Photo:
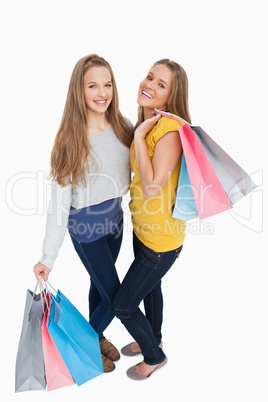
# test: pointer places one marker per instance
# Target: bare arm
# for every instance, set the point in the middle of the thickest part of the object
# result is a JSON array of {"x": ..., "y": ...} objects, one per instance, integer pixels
[{"x": 155, "y": 173}]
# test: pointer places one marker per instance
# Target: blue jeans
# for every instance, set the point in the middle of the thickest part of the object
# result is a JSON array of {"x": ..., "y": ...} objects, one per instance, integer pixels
[
  {"x": 99, "y": 259},
  {"x": 153, "y": 302},
  {"x": 144, "y": 277}
]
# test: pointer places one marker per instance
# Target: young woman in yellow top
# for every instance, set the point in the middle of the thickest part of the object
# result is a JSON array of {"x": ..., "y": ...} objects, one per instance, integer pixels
[{"x": 155, "y": 157}]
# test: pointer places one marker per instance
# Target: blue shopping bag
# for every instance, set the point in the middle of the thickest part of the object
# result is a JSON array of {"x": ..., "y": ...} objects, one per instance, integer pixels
[
  {"x": 76, "y": 340},
  {"x": 185, "y": 206}
]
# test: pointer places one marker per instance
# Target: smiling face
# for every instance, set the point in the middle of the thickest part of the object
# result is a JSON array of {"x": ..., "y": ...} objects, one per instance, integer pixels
[
  {"x": 98, "y": 89},
  {"x": 155, "y": 89}
]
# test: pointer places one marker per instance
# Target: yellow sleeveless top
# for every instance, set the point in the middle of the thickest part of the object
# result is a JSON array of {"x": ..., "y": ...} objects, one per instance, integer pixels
[{"x": 152, "y": 217}]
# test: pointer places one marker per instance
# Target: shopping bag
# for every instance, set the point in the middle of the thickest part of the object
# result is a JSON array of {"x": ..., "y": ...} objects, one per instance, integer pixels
[
  {"x": 217, "y": 181},
  {"x": 235, "y": 181},
  {"x": 57, "y": 373},
  {"x": 185, "y": 207},
  {"x": 211, "y": 197},
  {"x": 75, "y": 339},
  {"x": 29, "y": 371}
]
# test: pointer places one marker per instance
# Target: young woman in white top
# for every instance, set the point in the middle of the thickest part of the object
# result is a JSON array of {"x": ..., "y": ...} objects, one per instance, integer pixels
[{"x": 90, "y": 171}]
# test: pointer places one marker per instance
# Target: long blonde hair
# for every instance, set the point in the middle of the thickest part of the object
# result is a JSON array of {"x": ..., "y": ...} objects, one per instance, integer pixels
[
  {"x": 69, "y": 157},
  {"x": 178, "y": 100}
]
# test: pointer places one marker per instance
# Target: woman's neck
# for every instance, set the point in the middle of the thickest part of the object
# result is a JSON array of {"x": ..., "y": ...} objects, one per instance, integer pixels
[
  {"x": 148, "y": 113},
  {"x": 97, "y": 123}
]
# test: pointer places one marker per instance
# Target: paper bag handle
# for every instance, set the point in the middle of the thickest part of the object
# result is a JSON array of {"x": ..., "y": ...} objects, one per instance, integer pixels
[{"x": 172, "y": 116}]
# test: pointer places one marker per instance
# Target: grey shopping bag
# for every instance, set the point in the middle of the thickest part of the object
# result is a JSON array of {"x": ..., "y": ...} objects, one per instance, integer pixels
[
  {"x": 30, "y": 372},
  {"x": 235, "y": 181}
]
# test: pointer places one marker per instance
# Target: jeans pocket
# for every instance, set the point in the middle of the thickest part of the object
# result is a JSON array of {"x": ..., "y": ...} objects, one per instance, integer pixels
[
  {"x": 178, "y": 251},
  {"x": 176, "y": 254},
  {"x": 149, "y": 254}
]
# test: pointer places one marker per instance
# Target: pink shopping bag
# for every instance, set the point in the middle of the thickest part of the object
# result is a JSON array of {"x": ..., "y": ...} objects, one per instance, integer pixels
[
  {"x": 57, "y": 373},
  {"x": 210, "y": 197}
]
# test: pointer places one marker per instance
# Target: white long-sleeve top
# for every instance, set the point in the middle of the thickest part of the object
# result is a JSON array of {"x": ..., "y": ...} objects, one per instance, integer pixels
[{"x": 108, "y": 178}]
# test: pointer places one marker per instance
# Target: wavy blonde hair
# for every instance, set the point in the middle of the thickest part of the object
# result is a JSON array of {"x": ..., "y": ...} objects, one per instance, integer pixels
[
  {"x": 69, "y": 157},
  {"x": 178, "y": 100}
]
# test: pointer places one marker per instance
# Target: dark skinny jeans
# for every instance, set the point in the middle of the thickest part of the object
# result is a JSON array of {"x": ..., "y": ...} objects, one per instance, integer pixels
[
  {"x": 99, "y": 259},
  {"x": 143, "y": 281}
]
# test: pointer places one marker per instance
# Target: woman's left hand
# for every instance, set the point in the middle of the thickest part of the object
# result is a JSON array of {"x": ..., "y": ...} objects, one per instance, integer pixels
[{"x": 146, "y": 126}]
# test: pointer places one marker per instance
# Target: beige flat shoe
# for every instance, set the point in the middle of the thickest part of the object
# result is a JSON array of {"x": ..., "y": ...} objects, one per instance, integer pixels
[
  {"x": 126, "y": 350},
  {"x": 132, "y": 372}
]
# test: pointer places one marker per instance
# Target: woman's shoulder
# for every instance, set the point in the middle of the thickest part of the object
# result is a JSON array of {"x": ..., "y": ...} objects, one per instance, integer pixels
[
  {"x": 167, "y": 123},
  {"x": 163, "y": 126},
  {"x": 130, "y": 125}
]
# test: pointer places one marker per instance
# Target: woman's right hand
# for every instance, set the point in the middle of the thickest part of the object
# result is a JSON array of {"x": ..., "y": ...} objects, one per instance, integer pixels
[
  {"x": 41, "y": 270},
  {"x": 146, "y": 126}
]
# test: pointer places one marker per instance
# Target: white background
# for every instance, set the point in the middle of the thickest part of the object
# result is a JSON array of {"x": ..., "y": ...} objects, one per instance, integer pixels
[{"x": 215, "y": 329}]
